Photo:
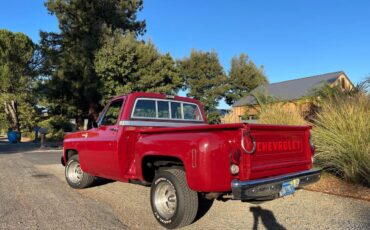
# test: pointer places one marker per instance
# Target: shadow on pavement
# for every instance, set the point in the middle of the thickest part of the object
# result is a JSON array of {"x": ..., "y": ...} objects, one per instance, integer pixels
[
  {"x": 204, "y": 206},
  {"x": 101, "y": 181},
  {"x": 267, "y": 218},
  {"x": 9, "y": 148}
]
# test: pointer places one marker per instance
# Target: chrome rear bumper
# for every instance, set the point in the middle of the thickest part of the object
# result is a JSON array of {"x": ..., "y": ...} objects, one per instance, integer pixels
[{"x": 271, "y": 186}]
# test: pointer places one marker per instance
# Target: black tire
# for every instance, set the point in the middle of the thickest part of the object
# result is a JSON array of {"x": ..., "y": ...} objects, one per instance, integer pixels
[
  {"x": 186, "y": 200},
  {"x": 76, "y": 179}
]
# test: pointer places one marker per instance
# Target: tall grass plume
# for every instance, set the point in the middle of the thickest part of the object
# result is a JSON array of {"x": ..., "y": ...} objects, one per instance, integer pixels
[
  {"x": 342, "y": 137},
  {"x": 280, "y": 114}
]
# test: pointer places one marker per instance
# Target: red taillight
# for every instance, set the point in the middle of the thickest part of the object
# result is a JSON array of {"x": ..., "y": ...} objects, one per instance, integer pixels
[{"x": 235, "y": 156}]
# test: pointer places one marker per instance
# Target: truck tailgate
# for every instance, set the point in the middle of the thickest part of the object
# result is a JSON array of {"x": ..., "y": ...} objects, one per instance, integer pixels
[{"x": 278, "y": 150}]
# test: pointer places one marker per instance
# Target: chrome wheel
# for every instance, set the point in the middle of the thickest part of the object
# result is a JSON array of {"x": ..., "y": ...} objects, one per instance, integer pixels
[
  {"x": 174, "y": 204},
  {"x": 165, "y": 199},
  {"x": 74, "y": 172}
]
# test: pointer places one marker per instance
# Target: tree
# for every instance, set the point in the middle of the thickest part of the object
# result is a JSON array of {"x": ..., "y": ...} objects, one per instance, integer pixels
[
  {"x": 244, "y": 76},
  {"x": 3, "y": 121},
  {"x": 17, "y": 75},
  {"x": 73, "y": 85},
  {"x": 126, "y": 65},
  {"x": 205, "y": 80}
]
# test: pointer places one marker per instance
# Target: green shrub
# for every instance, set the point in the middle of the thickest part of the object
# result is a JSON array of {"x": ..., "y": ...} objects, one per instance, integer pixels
[
  {"x": 342, "y": 137},
  {"x": 28, "y": 134},
  {"x": 279, "y": 114},
  {"x": 56, "y": 126}
]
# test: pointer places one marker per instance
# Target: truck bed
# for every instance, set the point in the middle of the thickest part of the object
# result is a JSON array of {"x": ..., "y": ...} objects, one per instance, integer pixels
[{"x": 280, "y": 149}]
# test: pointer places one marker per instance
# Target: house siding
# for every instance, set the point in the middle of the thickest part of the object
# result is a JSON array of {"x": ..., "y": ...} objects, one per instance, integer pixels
[{"x": 304, "y": 106}]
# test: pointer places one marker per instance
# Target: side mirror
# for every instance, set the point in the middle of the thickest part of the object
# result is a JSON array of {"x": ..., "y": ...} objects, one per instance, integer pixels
[{"x": 94, "y": 124}]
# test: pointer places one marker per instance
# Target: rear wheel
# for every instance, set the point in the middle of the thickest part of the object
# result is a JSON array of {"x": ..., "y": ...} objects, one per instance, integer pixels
[
  {"x": 174, "y": 204},
  {"x": 75, "y": 177}
]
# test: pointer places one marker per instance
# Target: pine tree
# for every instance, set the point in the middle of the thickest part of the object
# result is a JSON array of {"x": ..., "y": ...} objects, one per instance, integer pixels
[
  {"x": 17, "y": 79},
  {"x": 73, "y": 86},
  {"x": 205, "y": 80},
  {"x": 244, "y": 76},
  {"x": 126, "y": 65}
]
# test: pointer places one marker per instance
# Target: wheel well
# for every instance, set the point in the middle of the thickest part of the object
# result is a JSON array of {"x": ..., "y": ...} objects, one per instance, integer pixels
[
  {"x": 150, "y": 164},
  {"x": 70, "y": 153}
]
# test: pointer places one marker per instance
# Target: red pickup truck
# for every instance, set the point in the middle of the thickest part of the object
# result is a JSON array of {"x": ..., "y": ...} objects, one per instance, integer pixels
[{"x": 165, "y": 142}]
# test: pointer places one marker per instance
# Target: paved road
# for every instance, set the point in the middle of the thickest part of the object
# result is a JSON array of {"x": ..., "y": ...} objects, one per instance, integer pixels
[{"x": 34, "y": 195}]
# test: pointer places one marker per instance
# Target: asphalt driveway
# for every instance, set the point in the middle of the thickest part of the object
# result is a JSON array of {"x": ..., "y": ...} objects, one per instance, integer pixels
[{"x": 34, "y": 195}]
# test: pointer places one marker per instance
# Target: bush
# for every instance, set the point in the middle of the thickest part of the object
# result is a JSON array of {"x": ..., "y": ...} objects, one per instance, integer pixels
[
  {"x": 342, "y": 137},
  {"x": 280, "y": 114},
  {"x": 56, "y": 126},
  {"x": 28, "y": 134}
]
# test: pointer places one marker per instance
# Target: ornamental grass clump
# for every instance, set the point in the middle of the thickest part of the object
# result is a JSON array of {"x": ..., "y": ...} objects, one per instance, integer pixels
[
  {"x": 342, "y": 137},
  {"x": 280, "y": 114}
]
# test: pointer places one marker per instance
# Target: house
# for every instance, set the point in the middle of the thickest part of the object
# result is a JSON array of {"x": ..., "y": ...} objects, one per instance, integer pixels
[{"x": 288, "y": 93}]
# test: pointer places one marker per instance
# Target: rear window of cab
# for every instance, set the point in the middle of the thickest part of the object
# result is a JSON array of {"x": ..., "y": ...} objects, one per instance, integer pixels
[{"x": 166, "y": 110}]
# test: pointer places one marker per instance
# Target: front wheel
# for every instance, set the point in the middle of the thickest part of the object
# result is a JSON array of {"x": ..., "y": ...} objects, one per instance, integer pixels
[
  {"x": 173, "y": 203},
  {"x": 75, "y": 177}
]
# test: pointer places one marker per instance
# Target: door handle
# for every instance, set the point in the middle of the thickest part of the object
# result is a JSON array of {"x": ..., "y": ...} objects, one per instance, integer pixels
[
  {"x": 113, "y": 129},
  {"x": 85, "y": 135}
]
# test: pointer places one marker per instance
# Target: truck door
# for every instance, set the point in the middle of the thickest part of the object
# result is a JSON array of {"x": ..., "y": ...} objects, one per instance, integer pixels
[{"x": 101, "y": 143}]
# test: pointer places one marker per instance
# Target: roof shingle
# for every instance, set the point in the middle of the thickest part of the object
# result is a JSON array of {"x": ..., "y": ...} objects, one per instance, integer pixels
[{"x": 290, "y": 90}]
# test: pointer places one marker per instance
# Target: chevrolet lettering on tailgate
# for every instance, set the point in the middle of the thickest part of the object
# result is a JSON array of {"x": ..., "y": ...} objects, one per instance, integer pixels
[{"x": 274, "y": 146}]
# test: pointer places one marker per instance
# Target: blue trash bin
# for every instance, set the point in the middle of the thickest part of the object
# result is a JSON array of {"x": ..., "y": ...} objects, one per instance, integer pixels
[{"x": 12, "y": 137}]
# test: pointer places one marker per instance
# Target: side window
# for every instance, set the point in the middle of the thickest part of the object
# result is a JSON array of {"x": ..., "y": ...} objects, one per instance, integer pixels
[
  {"x": 112, "y": 113},
  {"x": 191, "y": 112},
  {"x": 145, "y": 109},
  {"x": 176, "y": 110},
  {"x": 163, "y": 109}
]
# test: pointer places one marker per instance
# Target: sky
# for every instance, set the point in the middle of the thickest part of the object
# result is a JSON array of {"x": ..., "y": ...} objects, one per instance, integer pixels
[{"x": 291, "y": 38}]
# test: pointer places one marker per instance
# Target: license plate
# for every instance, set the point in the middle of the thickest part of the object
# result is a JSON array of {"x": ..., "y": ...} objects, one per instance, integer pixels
[{"x": 288, "y": 187}]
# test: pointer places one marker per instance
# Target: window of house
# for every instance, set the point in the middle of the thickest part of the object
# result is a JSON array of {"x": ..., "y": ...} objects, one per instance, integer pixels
[
  {"x": 343, "y": 83},
  {"x": 252, "y": 117}
]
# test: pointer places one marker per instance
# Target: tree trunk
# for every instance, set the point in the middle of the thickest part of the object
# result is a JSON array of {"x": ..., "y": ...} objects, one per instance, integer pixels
[
  {"x": 11, "y": 110},
  {"x": 93, "y": 114},
  {"x": 90, "y": 112},
  {"x": 79, "y": 119},
  {"x": 93, "y": 111}
]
